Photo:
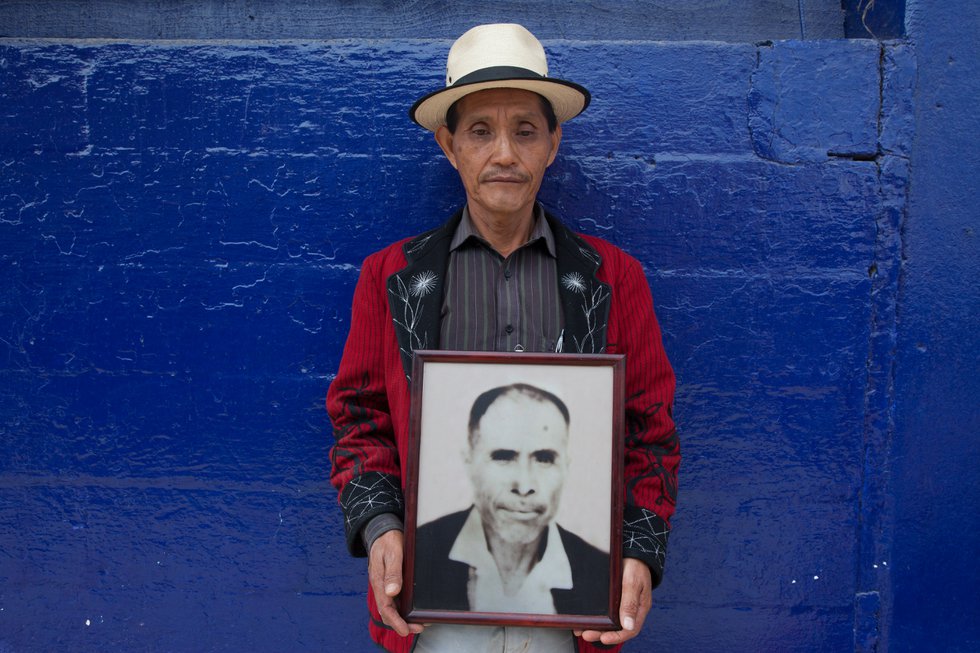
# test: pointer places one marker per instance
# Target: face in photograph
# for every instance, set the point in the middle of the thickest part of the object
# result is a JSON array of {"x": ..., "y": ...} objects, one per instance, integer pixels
[{"x": 518, "y": 461}]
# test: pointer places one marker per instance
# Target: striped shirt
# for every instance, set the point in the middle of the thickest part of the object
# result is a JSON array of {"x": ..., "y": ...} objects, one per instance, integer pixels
[
  {"x": 492, "y": 303},
  {"x": 484, "y": 295}
]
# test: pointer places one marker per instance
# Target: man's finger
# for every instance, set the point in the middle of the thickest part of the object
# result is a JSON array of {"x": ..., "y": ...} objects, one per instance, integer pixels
[
  {"x": 393, "y": 574},
  {"x": 631, "y": 605}
]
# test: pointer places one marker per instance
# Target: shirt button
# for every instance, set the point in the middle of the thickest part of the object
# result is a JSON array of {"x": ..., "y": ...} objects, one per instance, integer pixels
[
  {"x": 506, "y": 274},
  {"x": 509, "y": 329}
]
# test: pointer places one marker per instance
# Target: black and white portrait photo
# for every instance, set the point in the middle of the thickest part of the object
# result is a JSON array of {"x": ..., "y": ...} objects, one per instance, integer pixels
[{"x": 514, "y": 489}]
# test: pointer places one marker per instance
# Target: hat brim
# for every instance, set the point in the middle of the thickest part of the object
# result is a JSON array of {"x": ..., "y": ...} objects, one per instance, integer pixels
[{"x": 568, "y": 99}]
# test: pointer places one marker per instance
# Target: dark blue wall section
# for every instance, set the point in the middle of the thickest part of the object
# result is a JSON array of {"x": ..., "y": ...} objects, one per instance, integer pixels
[
  {"x": 717, "y": 20},
  {"x": 937, "y": 385},
  {"x": 880, "y": 19},
  {"x": 182, "y": 225}
]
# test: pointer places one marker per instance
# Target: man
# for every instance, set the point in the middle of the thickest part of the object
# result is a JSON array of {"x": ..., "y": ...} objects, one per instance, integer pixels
[
  {"x": 501, "y": 274},
  {"x": 506, "y": 553}
]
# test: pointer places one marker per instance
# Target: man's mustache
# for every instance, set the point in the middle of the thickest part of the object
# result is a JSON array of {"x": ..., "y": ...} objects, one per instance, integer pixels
[{"x": 504, "y": 174}]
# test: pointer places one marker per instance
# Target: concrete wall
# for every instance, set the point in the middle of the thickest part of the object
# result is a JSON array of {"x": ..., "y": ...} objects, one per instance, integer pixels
[
  {"x": 182, "y": 223},
  {"x": 936, "y": 382},
  {"x": 719, "y": 20}
]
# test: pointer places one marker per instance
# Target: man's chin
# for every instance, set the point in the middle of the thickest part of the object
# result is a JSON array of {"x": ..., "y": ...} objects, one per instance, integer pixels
[
  {"x": 505, "y": 198},
  {"x": 520, "y": 531}
]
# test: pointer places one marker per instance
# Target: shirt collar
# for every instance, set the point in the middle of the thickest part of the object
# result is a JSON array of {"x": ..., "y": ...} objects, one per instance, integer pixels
[
  {"x": 541, "y": 230},
  {"x": 470, "y": 548}
]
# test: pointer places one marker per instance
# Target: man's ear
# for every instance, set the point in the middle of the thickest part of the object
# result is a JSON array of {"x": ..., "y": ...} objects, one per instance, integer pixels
[
  {"x": 555, "y": 141},
  {"x": 445, "y": 139}
]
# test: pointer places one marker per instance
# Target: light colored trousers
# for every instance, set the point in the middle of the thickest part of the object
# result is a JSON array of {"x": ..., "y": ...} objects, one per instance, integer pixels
[{"x": 453, "y": 638}]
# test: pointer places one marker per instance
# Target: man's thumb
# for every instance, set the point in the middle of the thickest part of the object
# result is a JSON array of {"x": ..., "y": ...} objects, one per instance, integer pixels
[{"x": 393, "y": 580}]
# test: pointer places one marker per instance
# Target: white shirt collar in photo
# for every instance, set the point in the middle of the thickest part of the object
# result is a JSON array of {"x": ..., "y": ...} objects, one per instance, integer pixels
[{"x": 486, "y": 589}]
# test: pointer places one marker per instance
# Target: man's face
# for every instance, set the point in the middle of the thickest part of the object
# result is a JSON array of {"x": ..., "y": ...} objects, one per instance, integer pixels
[
  {"x": 501, "y": 149},
  {"x": 518, "y": 465}
]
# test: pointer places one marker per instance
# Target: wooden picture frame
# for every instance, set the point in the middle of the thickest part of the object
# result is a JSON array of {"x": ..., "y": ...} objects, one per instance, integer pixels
[{"x": 469, "y": 481}]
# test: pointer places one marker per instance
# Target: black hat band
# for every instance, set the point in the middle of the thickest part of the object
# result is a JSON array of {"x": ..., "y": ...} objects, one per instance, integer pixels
[{"x": 494, "y": 73}]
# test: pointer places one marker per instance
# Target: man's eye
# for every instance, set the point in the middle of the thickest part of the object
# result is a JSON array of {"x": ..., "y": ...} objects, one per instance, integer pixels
[
  {"x": 503, "y": 455},
  {"x": 545, "y": 457},
  {"x": 525, "y": 133},
  {"x": 479, "y": 131}
]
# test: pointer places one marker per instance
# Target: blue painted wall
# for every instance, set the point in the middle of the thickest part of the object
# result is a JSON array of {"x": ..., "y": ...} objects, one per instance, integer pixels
[
  {"x": 181, "y": 227},
  {"x": 936, "y": 381}
]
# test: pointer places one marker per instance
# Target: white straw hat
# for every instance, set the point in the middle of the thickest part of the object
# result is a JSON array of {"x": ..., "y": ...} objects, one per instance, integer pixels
[{"x": 498, "y": 56}]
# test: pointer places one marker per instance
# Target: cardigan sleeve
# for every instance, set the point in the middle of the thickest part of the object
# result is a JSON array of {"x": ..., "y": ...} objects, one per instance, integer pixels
[
  {"x": 652, "y": 449},
  {"x": 364, "y": 459}
]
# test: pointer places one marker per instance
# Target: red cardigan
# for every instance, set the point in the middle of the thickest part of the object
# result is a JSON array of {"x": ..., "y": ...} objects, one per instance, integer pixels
[{"x": 607, "y": 309}]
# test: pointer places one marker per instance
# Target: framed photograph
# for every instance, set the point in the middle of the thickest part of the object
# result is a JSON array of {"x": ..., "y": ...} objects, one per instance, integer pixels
[{"x": 514, "y": 490}]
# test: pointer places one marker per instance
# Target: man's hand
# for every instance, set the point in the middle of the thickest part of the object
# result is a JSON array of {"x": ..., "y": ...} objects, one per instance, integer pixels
[
  {"x": 385, "y": 576},
  {"x": 633, "y": 607}
]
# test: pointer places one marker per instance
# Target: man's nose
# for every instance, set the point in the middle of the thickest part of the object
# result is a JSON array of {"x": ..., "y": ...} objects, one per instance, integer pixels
[
  {"x": 503, "y": 149},
  {"x": 523, "y": 480}
]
